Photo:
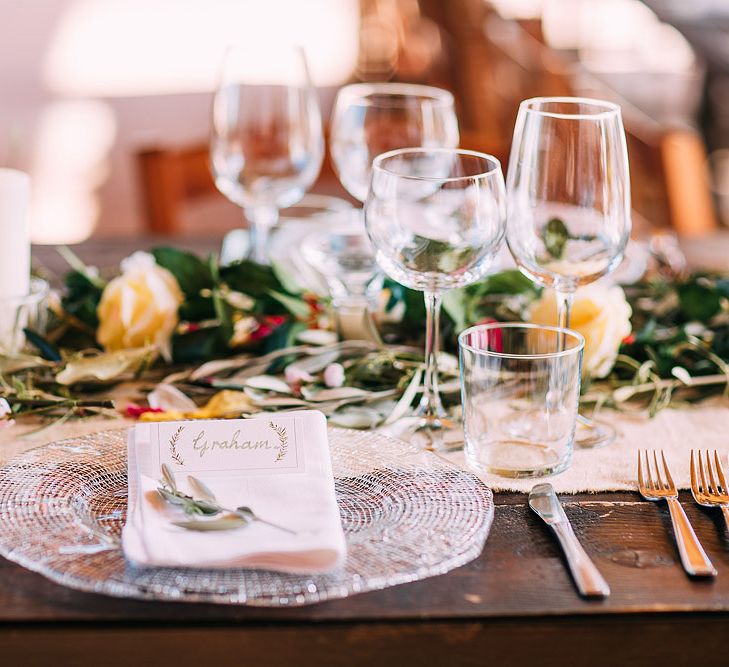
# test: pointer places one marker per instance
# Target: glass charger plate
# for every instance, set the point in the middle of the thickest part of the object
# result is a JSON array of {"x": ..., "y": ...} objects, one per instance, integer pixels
[{"x": 406, "y": 516}]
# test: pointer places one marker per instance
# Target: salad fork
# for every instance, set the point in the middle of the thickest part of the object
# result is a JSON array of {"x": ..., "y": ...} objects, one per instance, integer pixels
[
  {"x": 693, "y": 557},
  {"x": 709, "y": 487}
]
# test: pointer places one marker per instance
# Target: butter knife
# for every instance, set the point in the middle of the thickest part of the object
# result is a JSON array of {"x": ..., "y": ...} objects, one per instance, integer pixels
[{"x": 543, "y": 500}]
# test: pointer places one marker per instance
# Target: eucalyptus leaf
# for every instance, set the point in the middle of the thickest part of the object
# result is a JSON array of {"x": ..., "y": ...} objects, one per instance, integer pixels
[
  {"x": 316, "y": 362},
  {"x": 217, "y": 366},
  {"x": 356, "y": 417},
  {"x": 334, "y": 394},
  {"x": 268, "y": 383},
  {"x": 403, "y": 405},
  {"x": 317, "y": 336},
  {"x": 171, "y": 497},
  {"x": 281, "y": 402}
]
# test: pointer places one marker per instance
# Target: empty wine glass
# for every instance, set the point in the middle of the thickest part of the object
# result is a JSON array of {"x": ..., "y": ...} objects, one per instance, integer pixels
[
  {"x": 266, "y": 143},
  {"x": 569, "y": 201},
  {"x": 436, "y": 218},
  {"x": 343, "y": 255},
  {"x": 372, "y": 118}
]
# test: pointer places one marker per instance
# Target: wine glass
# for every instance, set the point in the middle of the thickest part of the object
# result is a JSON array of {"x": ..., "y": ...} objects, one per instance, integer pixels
[
  {"x": 436, "y": 218},
  {"x": 372, "y": 118},
  {"x": 369, "y": 119},
  {"x": 569, "y": 201},
  {"x": 266, "y": 145}
]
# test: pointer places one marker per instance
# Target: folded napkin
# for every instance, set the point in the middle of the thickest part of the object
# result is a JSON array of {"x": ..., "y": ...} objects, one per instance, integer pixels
[{"x": 277, "y": 465}]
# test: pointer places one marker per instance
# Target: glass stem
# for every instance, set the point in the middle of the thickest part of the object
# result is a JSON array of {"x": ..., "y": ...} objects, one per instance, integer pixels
[
  {"x": 430, "y": 405},
  {"x": 261, "y": 219},
  {"x": 564, "y": 312}
]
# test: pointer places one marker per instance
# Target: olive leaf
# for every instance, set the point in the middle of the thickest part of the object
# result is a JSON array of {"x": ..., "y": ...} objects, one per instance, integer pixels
[
  {"x": 228, "y": 522},
  {"x": 403, "y": 405},
  {"x": 169, "y": 477},
  {"x": 201, "y": 489},
  {"x": 555, "y": 236},
  {"x": 171, "y": 497}
]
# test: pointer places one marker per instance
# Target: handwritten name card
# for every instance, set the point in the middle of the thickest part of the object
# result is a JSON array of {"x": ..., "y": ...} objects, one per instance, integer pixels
[{"x": 267, "y": 445}]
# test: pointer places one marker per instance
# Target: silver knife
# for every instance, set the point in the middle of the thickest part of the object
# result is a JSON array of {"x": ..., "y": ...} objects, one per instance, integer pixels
[{"x": 543, "y": 500}]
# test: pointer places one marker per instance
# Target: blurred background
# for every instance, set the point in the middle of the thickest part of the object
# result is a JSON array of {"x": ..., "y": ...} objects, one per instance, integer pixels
[{"x": 106, "y": 102}]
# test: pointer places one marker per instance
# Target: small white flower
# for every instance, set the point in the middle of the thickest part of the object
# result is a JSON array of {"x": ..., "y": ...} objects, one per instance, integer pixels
[
  {"x": 294, "y": 375},
  {"x": 334, "y": 375},
  {"x": 695, "y": 329},
  {"x": 5, "y": 408}
]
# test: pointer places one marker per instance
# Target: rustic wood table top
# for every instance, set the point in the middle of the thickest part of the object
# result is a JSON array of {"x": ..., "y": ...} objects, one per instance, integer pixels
[{"x": 513, "y": 605}]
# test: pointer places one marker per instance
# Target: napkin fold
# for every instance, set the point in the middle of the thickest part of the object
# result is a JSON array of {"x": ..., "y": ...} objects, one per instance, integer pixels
[{"x": 278, "y": 465}]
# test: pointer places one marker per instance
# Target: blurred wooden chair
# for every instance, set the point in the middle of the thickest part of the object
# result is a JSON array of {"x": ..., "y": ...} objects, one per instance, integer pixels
[
  {"x": 497, "y": 63},
  {"x": 172, "y": 178}
]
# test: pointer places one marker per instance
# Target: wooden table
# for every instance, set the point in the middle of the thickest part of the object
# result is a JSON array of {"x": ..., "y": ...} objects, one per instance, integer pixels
[{"x": 514, "y": 605}]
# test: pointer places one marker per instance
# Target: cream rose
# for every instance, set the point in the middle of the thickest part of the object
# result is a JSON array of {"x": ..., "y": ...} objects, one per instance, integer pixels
[
  {"x": 139, "y": 307},
  {"x": 601, "y": 314}
]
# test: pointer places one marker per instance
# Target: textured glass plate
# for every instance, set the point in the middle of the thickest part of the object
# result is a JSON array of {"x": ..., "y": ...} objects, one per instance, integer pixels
[{"x": 406, "y": 516}]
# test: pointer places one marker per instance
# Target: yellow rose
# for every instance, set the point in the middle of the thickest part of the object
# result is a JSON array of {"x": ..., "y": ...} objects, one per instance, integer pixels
[
  {"x": 601, "y": 314},
  {"x": 139, "y": 307}
]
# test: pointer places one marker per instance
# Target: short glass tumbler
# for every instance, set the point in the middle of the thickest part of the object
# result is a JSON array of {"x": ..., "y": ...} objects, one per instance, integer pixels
[{"x": 520, "y": 387}]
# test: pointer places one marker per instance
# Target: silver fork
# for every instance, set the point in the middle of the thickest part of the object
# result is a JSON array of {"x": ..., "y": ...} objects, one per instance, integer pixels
[
  {"x": 693, "y": 557},
  {"x": 710, "y": 489}
]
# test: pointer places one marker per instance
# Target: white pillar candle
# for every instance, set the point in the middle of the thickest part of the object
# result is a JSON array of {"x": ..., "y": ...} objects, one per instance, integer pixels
[{"x": 14, "y": 234}]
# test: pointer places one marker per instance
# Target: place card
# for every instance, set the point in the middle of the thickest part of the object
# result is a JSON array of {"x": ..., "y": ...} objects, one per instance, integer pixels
[{"x": 257, "y": 446}]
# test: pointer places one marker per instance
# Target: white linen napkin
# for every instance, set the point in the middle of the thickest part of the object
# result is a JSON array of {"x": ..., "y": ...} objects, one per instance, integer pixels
[{"x": 278, "y": 465}]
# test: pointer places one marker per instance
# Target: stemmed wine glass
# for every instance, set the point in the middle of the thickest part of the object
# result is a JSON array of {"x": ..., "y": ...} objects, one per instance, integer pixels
[
  {"x": 569, "y": 201},
  {"x": 266, "y": 144},
  {"x": 436, "y": 218},
  {"x": 369, "y": 119},
  {"x": 372, "y": 118}
]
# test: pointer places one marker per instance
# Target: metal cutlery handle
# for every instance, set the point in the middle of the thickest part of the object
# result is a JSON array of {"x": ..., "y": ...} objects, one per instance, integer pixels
[
  {"x": 693, "y": 557},
  {"x": 589, "y": 581}
]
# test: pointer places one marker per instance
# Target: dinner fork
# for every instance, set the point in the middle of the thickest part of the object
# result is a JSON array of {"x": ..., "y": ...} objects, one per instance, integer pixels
[
  {"x": 715, "y": 492},
  {"x": 693, "y": 557}
]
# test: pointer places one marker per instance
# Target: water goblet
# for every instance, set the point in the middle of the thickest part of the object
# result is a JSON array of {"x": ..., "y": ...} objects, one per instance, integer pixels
[
  {"x": 436, "y": 218},
  {"x": 568, "y": 191},
  {"x": 372, "y": 118},
  {"x": 369, "y": 119},
  {"x": 266, "y": 144}
]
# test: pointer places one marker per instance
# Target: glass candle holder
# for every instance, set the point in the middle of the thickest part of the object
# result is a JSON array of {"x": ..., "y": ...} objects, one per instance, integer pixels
[
  {"x": 23, "y": 312},
  {"x": 520, "y": 388}
]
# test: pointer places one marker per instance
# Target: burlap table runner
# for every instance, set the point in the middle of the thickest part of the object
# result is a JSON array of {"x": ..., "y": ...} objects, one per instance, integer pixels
[{"x": 611, "y": 468}]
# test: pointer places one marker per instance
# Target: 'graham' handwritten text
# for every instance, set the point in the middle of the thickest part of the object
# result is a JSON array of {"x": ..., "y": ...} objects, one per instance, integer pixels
[{"x": 202, "y": 445}]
